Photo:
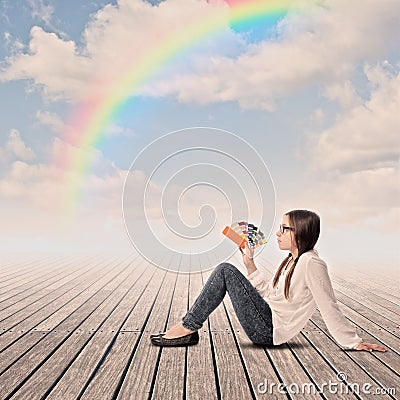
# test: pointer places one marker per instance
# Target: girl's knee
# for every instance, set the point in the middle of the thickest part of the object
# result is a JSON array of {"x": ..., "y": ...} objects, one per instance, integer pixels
[{"x": 226, "y": 265}]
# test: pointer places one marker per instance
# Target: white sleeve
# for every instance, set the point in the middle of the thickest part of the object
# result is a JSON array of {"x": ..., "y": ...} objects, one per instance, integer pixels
[
  {"x": 318, "y": 281},
  {"x": 259, "y": 281}
]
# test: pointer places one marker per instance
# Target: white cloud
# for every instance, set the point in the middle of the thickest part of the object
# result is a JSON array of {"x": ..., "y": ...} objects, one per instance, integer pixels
[
  {"x": 48, "y": 187},
  {"x": 4, "y": 11},
  {"x": 51, "y": 206},
  {"x": 14, "y": 46},
  {"x": 118, "y": 40},
  {"x": 118, "y": 130},
  {"x": 51, "y": 120},
  {"x": 321, "y": 45},
  {"x": 52, "y": 64},
  {"x": 59, "y": 127},
  {"x": 15, "y": 148},
  {"x": 357, "y": 198},
  {"x": 57, "y": 186},
  {"x": 366, "y": 135},
  {"x": 344, "y": 93},
  {"x": 65, "y": 154},
  {"x": 7, "y": 37},
  {"x": 354, "y": 165},
  {"x": 42, "y": 10},
  {"x": 318, "y": 47}
]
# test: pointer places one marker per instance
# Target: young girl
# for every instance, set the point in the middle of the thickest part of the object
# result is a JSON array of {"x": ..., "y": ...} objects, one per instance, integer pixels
[{"x": 271, "y": 313}]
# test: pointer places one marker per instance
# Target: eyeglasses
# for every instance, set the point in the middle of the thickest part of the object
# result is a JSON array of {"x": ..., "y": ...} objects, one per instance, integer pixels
[{"x": 283, "y": 228}]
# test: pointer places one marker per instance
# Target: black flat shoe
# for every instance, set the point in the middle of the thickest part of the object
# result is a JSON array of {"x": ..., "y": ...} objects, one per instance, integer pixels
[{"x": 187, "y": 340}]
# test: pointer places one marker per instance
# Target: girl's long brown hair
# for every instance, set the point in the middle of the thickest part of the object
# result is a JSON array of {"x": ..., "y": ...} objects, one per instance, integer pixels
[{"x": 306, "y": 226}]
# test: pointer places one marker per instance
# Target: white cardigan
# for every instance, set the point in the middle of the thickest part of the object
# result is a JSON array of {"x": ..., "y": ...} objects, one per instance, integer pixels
[{"x": 310, "y": 288}]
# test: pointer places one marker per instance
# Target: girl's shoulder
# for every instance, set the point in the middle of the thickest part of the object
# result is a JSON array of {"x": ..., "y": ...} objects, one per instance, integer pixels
[
  {"x": 311, "y": 257},
  {"x": 313, "y": 253}
]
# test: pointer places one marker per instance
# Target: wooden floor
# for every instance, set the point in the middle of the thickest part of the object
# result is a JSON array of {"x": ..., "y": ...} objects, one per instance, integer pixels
[{"x": 78, "y": 328}]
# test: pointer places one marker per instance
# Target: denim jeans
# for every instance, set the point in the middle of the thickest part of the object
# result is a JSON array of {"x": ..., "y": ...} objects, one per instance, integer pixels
[{"x": 252, "y": 310}]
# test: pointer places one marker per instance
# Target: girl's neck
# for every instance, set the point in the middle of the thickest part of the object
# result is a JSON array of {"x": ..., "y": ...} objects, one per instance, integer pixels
[{"x": 294, "y": 253}]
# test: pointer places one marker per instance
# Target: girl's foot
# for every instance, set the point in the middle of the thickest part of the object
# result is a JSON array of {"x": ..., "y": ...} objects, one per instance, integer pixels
[{"x": 177, "y": 331}]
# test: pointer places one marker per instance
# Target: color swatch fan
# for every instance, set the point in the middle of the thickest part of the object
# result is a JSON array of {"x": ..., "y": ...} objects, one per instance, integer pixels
[{"x": 241, "y": 232}]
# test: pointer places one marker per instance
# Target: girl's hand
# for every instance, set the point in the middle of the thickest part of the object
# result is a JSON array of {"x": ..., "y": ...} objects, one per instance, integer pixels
[
  {"x": 370, "y": 347},
  {"x": 247, "y": 256}
]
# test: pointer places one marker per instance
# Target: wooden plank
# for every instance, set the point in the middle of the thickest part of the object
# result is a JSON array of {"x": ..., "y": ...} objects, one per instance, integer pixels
[
  {"x": 84, "y": 367},
  {"x": 9, "y": 294},
  {"x": 360, "y": 293},
  {"x": 369, "y": 313},
  {"x": 322, "y": 375},
  {"x": 136, "y": 319},
  {"x": 342, "y": 361},
  {"x": 76, "y": 297},
  {"x": 375, "y": 333},
  {"x": 227, "y": 356},
  {"x": 171, "y": 374},
  {"x": 16, "y": 302},
  {"x": 109, "y": 355},
  {"x": 20, "y": 281},
  {"x": 376, "y": 364},
  {"x": 100, "y": 321},
  {"x": 20, "y": 346},
  {"x": 138, "y": 376},
  {"x": 53, "y": 301},
  {"x": 15, "y": 376},
  {"x": 370, "y": 285},
  {"x": 20, "y": 259},
  {"x": 15, "y": 267},
  {"x": 21, "y": 290},
  {"x": 133, "y": 348},
  {"x": 389, "y": 282},
  {"x": 38, "y": 380},
  {"x": 200, "y": 378},
  {"x": 290, "y": 371},
  {"x": 259, "y": 368},
  {"x": 53, "y": 320},
  {"x": 36, "y": 274},
  {"x": 9, "y": 356},
  {"x": 112, "y": 368},
  {"x": 18, "y": 306}
]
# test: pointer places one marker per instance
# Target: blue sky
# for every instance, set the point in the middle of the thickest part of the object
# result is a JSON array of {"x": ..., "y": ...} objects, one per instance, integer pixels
[{"x": 317, "y": 94}]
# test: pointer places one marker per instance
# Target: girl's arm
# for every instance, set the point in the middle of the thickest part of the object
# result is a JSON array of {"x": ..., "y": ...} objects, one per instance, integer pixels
[
  {"x": 318, "y": 281},
  {"x": 248, "y": 259},
  {"x": 256, "y": 278}
]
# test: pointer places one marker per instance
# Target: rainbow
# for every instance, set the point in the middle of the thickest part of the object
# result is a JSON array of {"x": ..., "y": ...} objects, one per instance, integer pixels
[{"x": 92, "y": 117}]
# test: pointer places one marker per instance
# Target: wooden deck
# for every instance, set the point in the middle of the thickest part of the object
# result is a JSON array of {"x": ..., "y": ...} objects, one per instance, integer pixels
[{"x": 78, "y": 328}]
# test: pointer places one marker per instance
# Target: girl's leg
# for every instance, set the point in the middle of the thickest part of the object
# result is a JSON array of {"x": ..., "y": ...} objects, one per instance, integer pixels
[{"x": 251, "y": 309}]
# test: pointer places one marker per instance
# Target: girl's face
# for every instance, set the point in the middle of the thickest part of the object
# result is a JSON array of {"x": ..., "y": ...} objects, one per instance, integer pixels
[{"x": 286, "y": 239}]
